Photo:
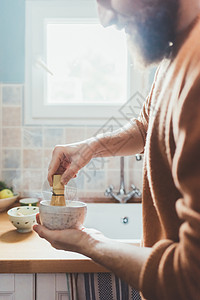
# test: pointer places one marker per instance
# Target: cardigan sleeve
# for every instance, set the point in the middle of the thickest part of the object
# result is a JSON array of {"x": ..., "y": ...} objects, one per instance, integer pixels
[
  {"x": 173, "y": 269},
  {"x": 143, "y": 119}
]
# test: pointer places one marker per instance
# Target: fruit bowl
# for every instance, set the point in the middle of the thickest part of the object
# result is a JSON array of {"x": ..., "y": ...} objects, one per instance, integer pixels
[{"x": 7, "y": 202}]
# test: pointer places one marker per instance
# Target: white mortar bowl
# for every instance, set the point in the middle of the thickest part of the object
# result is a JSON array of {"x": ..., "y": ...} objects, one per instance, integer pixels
[
  {"x": 62, "y": 217},
  {"x": 23, "y": 217}
]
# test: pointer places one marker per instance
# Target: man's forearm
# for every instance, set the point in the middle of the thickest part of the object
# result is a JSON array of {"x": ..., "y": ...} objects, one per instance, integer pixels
[
  {"x": 122, "y": 142},
  {"x": 124, "y": 260}
]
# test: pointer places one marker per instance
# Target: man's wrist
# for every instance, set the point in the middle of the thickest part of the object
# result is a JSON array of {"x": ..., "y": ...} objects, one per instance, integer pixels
[
  {"x": 93, "y": 144},
  {"x": 92, "y": 243}
]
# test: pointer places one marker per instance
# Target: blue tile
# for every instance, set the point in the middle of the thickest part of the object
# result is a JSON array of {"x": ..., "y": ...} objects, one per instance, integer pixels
[
  {"x": 53, "y": 137},
  {"x": 32, "y": 137},
  {"x": 11, "y": 159},
  {"x": 12, "y": 95},
  {"x": 94, "y": 180}
]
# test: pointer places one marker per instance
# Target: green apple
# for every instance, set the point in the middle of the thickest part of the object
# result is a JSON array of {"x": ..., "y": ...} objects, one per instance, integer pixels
[{"x": 6, "y": 193}]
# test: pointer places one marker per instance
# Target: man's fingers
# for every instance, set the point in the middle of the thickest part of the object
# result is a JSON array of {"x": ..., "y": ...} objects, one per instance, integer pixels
[
  {"x": 38, "y": 218},
  {"x": 54, "y": 164},
  {"x": 43, "y": 232},
  {"x": 68, "y": 174},
  {"x": 53, "y": 167}
]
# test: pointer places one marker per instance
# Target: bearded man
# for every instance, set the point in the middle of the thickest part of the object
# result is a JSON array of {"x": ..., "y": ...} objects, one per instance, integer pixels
[{"x": 167, "y": 267}]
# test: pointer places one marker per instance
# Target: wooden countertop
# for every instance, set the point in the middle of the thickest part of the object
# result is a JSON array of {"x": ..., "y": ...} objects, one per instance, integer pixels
[
  {"x": 108, "y": 200},
  {"x": 28, "y": 253}
]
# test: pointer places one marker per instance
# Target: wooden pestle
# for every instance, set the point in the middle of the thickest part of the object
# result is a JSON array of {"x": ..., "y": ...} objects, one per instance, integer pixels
[{"x": 58, "y": 198}]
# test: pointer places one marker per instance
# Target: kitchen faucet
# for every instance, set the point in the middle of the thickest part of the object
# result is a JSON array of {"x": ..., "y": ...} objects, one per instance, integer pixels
[{"x": 122, "y": 196}]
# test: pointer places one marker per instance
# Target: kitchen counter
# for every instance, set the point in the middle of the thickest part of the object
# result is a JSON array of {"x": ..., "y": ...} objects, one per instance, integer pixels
[{"x": 28, "y": 253}]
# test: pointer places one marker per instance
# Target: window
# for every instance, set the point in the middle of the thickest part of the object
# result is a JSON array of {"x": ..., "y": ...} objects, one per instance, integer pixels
[
  {"x": 75, "y": 69},
  {"x": 85, "y": 66}
]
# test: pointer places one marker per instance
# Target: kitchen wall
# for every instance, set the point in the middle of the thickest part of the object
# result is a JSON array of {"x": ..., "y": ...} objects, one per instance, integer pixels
[
  {"x": 12, "y": 50},
  {"x": 25, "y": 151}
]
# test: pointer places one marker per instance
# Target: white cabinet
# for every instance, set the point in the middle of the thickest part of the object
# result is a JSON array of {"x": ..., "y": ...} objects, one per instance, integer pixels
[
  {"x": 33, "y": 286},
  {"x": 52, "y": 286},
  {"x": 17, "y": 287}
]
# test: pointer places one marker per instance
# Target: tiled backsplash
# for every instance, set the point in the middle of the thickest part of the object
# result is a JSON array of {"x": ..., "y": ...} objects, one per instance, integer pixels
[{"x": 25, "y": 152}]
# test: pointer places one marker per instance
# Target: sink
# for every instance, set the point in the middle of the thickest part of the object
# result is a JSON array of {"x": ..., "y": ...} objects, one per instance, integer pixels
[{"x": 116, "y": 220}]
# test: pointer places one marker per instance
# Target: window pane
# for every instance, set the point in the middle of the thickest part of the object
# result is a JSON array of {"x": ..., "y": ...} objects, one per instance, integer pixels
[{"x": 88, "y": 62}]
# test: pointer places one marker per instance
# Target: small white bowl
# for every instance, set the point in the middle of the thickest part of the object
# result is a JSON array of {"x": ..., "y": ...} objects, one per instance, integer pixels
[
  {"x": 28, "y": 201},
  {"x": 23, "y": 217},
  {"x": 7, "y": 202},
  {"x": 62, "y": 217}
]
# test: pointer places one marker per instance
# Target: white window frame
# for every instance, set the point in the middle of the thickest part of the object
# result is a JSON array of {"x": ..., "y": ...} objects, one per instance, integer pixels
[{"x": 36, "y": 111}]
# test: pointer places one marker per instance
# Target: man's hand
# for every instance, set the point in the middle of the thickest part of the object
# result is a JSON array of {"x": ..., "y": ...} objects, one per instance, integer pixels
[
  {"x": 124, "y": 260},
  {"x": 68, "y": 160},
  {"x": 80, "y": 241}
]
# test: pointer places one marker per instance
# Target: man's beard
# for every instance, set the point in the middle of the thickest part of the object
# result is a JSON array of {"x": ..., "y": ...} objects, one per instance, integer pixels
[{"x": 154, "y": 36}]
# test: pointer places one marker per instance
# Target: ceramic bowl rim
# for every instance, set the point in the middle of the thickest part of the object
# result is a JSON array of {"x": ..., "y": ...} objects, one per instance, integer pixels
[
  {"x": 30, "y": 200},
  {"x": 62, "y": 208},
  {"x": 23, "y": 207}
]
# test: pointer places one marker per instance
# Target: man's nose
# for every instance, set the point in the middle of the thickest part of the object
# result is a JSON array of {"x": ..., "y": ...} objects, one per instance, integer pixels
[{"x": 107, "y": 17}]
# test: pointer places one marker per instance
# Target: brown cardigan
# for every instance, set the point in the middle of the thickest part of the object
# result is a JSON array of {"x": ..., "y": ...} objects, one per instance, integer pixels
[{"x": 170, "y": 126}]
